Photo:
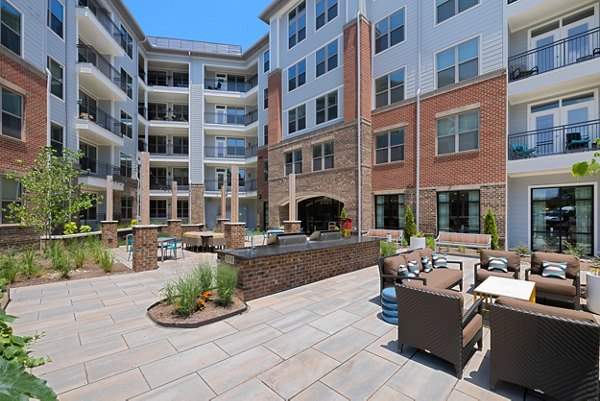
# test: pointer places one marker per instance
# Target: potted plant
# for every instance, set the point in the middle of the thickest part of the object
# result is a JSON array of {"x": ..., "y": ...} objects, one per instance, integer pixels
[
  {"x": 418, "y": 241},
  {"x": 593, "y": 286}
]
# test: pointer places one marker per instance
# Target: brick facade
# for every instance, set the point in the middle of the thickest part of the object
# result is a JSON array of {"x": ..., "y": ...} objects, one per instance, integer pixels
[
  {"x": 196, "y": 204},
  {"x": 18, "y": 237},
  {"x": 234, "y": 234},
  {"x": 174, "y": 228},
  {"x": 350, "y": 67},
  {"x": 275, "y": 107},
  {"x": 145, "y": 256},
  {"x": 290, "y": 227},
  {"x": 110, "y": 237}
]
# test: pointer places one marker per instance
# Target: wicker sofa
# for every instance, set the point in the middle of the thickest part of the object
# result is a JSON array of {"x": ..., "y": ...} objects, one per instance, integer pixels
[
  {"x": 554, "y": 350},
  {"x": 555, "y": 291},
  {"x": 434, "y": 320},
  {"x": 481, "y": 268}
]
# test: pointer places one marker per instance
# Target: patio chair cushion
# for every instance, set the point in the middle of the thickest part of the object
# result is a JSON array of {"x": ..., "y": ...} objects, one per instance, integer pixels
[
  {"x": 514, "y": 260},
  {"x": 413, "y": 267},
  {"x": 391, "y": 264},
  {"x": 438, "y": 279},
  {"x": 427, "y": 265},
  {"x": 405, "y": 272},
  {"x": 555, "y": 270},
  {"x": 546, "y": 309},
  {"x": 537, "y": 258},
  {"x": 414, "y": 256},
  {"x": 440, "y": 261},
  {"x": 553, "y": 285},
  {"x": 471, "y": 329},
  {"x": 483, "y": 274},
  {"x": 498, "y": 264}
]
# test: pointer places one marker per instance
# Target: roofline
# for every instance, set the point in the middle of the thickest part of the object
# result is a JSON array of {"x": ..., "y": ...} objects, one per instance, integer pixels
[{"x": 266, "y": 15}]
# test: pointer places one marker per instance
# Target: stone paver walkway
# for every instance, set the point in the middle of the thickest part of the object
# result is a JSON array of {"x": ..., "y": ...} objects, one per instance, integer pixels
[{"x": 322, "y": 341}]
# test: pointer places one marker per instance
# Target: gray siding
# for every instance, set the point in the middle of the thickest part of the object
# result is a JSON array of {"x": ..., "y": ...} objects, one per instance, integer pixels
[{"x": 196, "y": 122}]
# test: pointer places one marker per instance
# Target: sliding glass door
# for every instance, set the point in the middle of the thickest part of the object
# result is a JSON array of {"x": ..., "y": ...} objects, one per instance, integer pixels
[{"x": 458, "y": 211}]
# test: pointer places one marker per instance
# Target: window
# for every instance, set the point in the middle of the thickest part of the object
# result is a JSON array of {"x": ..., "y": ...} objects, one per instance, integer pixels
[
  {"x": 157, "y": 144},
  {"x": 55, "y": 17},
  {"x": 389, "y": 89},
  {"x": 180, "y": 112},
  {"x": 297, "y": 75},
  {"x": 88, "y": 160},
  {"x": 266, "y": 98},
  {"x": 266, "y": 61},
  {"x": 293, "y": 162},
  {"x": 126, "y": 125},
  {"x": 266, "y": 170},
  {"x": 126, "y": 83},
  {"x": 390, "y": 31},
  {"x": 297, "y": 119},
  {"x": 458, "y": 211},
  {"x": 181, "y": 176},
  {"x": 389, "y": 212},
  {"x": 180, "y": 145},
  {"x": 126, "y": 207},
  {"x": 56, "y": 84},
  {"x": 327, "y": 107},
  {"x": 327, "y": 58},
  {"x": 126, "y": 42},
  {"x": 11, "y": 192},
  {"x": 449, "y": 8},
  {"x": 326, "y": 11},
  {"x": 458, "y": 63},
  {"x": 126, "y": 166},
  {"x": 158, "y": 209},
  {"x": 323, "y": 156},
  {"x": 10, "y": 19},
  {"x": 12, "y": 113},
  {"x": 297, "y": 25},
  {"x": 56, "y": 138},
  {"x": 183, "y": 210},
  {"x": 458, "y": 133},
  {"x": 389, "y": 146},
  {"x": 266, "y": 134}
]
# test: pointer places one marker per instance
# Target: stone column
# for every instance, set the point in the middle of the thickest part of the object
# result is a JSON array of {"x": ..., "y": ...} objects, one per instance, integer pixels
[
  {"x": 110, "y": 237},
  {"x": 291, "y": 226},
  {"x": 235, "y": 235},
  {"x": 145, "y": 249},
  {"x": 109, "y": 198},
  {"x": 196, "y": 199},
  {"x": 292, "y": 195},
  {"x": 174, "y": 200},
  {"x": 221, "y": 225},
  {"x": 223, "y": 201},
  {"x": 235, "y": 193},
  {"x": 145, "y": 187},
  {"x": 174, "y": 228}
]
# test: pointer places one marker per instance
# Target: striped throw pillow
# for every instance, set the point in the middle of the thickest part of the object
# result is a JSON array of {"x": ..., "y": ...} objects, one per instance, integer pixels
[
  {"x": 554, "y": 269},
  {"x": 427, "y": 266},
  {"x": 439, "y": 261},
  {"x": 405, "y": 273},
  {"x": 498, "y": 264},
  {"x": 413, "y": 267}
]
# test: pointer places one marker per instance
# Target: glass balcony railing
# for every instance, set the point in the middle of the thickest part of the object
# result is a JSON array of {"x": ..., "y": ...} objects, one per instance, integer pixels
[
  {"x": 231, "y": 86},
  {"x": 160, "y": 78},
  {"x": 160, "y": 112},
  {"x": 168, "y": 149},
  {"x": 87, "y": 54},
  {"x": 572, "y": 50},
  {"x": 231, "y": 118},
  {"x": 244, "y": 185},
  {"x": 103, "y": 17},
  {"x": 100, "y": 118},
  {"x": 236, "y": 152},
  {"x": 167, "y": 185},
  {"x": 562, "y": 139}
]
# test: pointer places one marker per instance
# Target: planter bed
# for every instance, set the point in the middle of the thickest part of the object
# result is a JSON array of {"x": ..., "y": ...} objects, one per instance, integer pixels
[{"x": 164, "y": 315}]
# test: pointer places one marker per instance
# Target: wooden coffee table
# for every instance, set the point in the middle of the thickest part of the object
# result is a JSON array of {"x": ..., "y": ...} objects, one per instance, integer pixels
[{"x": 494, "y": 287}]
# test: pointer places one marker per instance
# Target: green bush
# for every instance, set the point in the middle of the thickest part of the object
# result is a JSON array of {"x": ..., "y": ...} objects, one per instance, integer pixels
[
  {"x": 85, "y": 229},
  {"x": 575, "y": 250},
  {"x": 107, "y": 261},
  {"x": 169, "y": 292},
  {"x": 430, "y": 241},
  {"x": 70, "y": 228},
  {"x": 187, "y": 290},
  {"x": 410, "y": 229},
  {"x": 462, "y": 249},
  {"x": 387, "y": 248},
  {"x": 489, "y": 227},
  {"x": 29, "y": 266},
  {"x": 227, "y": 277},
  {"x": 204, "y": 275},
  {"x": 521, "y": 249},
  {"x": 60, "y": 261},
  {"x": 78, "y": 254},
  {"x": 95, "y": 249},
  {"x": 8, "y": 268}
]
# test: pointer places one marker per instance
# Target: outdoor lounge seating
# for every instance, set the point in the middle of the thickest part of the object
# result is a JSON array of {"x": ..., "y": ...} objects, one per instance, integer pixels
[
  {"x": 434, "y": 320},
  {"x": 521, "y": 151},
  {"x": 555, "y": 291},
  {"x": 574, "y": 141},
  {"x": 545, "y": 348},
  {"x": 481, "y": 271},
  {"x": 382, "y": 234},
  {"x": 519, "y": 73},
  {"x": 467, "y": 240}
]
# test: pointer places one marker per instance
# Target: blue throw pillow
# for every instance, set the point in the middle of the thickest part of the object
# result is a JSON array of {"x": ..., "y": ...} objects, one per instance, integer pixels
[
  {"x": 427, "y": 266},
  {"x": 405, "y": 273},
  {"x": 439, "y": 261},
  {"x": 554, "y": 269},
  {"x": 413, "y": 267},
  {"x": 498, "y": 264}
]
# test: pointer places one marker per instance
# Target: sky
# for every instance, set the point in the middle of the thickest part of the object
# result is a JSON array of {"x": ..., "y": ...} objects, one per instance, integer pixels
[{"x": 222, "y": 21}]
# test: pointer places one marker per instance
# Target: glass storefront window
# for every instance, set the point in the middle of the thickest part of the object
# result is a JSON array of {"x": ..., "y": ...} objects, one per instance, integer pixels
[
  {"x": 458, "y": 211},
  {"x": 389, "y": 212}
]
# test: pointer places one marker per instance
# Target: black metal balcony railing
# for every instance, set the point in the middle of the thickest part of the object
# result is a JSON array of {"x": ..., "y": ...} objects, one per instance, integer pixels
[
  {"x": 87, "y": 54},
  {"x": 142, "y": 111},
  {"x": 167, "y": 185},
  {"x": 231, "y": 119},
  {"x": 512, "y": 1},
  {"x": 563, "y": 139},
  {"x": 168, "y": 149},
  {"x": 245, "y": 185},
  {"x": 97, "y": 168},
  {"x": 103, "y": 17},
  {"x": 572, "y": 50},
  {"x": 229, "y": 152},
  {"x": 100, "y": 118},
  {"x": 231, "y": 86}
]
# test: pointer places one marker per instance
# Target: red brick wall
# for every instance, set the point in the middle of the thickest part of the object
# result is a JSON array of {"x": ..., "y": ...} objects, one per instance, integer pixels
[
  {"x": 262, "y": 185},
  {"x": 18, "y": 76},
  {"x": 275, "y": 107},
  {"x": 350, "y": 67}
]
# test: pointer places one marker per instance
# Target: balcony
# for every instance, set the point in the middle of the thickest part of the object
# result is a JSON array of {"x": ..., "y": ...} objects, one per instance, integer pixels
[
  {"x": 98, "y": 127},
  {"x": 530, "y": 151},
  {"x": 94, "y": 172},
  {"x": 245, "y": 186},
  {"x": 232, "y": 92},
  {"x": 231, "y": 119},
  {"x": 231, "y": 86},
  {"x": 161, "y": 116},
  {"x": 142, "y": 111},
  {"x": 167, "y": 185},
  {"x": 220, "y": 152},
  {"x": 98, "y": 29},
  {"x": 98, "y": 76},
  {"x": 520, "y": 14}
]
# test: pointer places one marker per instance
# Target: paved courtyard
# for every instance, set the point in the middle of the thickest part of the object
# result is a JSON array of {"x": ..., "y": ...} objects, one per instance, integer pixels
[{"x": 322, "y": 341}]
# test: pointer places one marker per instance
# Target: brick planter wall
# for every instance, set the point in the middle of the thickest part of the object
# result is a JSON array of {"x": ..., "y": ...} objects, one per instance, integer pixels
[
  {"x": 197, "y": 206},
  {"x": 174, "y": 228},
  {"x": 291, "y": 226},
  {"x": 145, "y": 248},
  {"x": 221, "y": 225},
  {"x": 235, "y": 235},
  {"x": 191, "y": 227},
  {"x": 18, "y": 237},
  {"x": 110, "y": 237}
]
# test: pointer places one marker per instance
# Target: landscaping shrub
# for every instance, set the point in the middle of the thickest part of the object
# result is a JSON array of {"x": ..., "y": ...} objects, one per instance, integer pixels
[
  {"x": 462, "y": 249},
  {"x": 204, "y": 275},
  {"x": 78, "y": 254},
  {"x": 575, "y": 250},
  {"x": 95, "y": 249},
  {"x": 187, "y": 289},
  {"x": 489, "y": 227},
  {"x": 70, "y": 228},
  {"x": 169, "y": 292},
  {"x": 107, "y": 261},
  {"x": 387, "y": 248},
  {"x": 85, "y": 229},
  {"x": 521, "y": 249},
  {"x": 430, "y": 242},
  {"x": 410, "y": 228},
  {"x": 60, "y": 261},
  {"x": 29, "y": 266},
  {"x": 8, "y": 268},
  {"x": 227, "y": 277}
]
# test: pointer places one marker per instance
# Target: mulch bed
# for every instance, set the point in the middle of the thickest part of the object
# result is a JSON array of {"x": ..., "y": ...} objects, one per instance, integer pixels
[{"x": 165, "y": 315}]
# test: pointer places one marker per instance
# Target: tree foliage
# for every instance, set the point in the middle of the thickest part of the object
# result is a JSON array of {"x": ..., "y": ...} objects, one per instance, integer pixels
[
  {"x": 586, "y": 168},
  {"x": 51, "y": 194},
  {"x": 489, "y": 227},
  {"x": 410, "y": 228}
]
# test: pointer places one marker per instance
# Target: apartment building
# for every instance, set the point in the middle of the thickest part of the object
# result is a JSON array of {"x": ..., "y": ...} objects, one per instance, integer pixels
[{"x": 553, "y": 50}]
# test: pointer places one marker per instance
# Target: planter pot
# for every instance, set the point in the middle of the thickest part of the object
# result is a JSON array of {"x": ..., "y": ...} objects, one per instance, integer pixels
[
  {"x": 593, "y": 293},
  {"x": 417, "y": 242}
]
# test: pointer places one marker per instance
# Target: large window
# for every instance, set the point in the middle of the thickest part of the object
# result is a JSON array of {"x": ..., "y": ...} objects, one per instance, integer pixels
[
  {"x": 389, "y": 212},
  {"x": 449, "y": 8},
  {"x": 55, "y": 17},
  {"x": 56, "y": 84},
  {"x": 183, "y": 210},
  {"x": 126, "y": 124},
  {"x": 326, "y": 11},
  {"x": 266, "y": 134},
  {"x": 126, "y": 166},
  {"x": 458, "y": 211},
  {"x": 57, "y": 139},
  {"x": 126, "y": 207},
  {"x": 157, "y": 144},
  {"x": 390, "y": 31},
  {"x": 562, "y": 217},
  {"x": 297, "y": 119},
  {"x": 12, "y": 113},
  {"x": 297, "y": 75},
  {"x": 458, "y": 63},
  {"x": 293, "y": 162},
  {"x": 327, "y": 58},
  {"x": 10, "y": 20},
  {"x": 323, "y": 156},
  {"x": 126, "y": 42},
  {"x": 180, "y": 145},
  {"x": 158, "y": 209},
  {"x": 181, "y": 175},
  {"x": 389, "y": 146},
  {"x": 327, "y": 107},
  {"x": 297, "y": 25},
  {"x": 11, "y": 192},
  {"x": 389, "y": 89},
  {"x": 266, "y": 98},
  {"x": 266, "y": 61},
  {"x": 127, "y": 83},
  {"x": 458, "y": 133}
]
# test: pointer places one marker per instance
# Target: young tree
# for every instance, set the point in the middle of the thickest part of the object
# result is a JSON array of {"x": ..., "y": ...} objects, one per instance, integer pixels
[
  {"x": 51, "y": 194},
  {"x": 410, "y": 228},
  {"x": 585, "y": 168},
  {"x": 489, "y": 227}
]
